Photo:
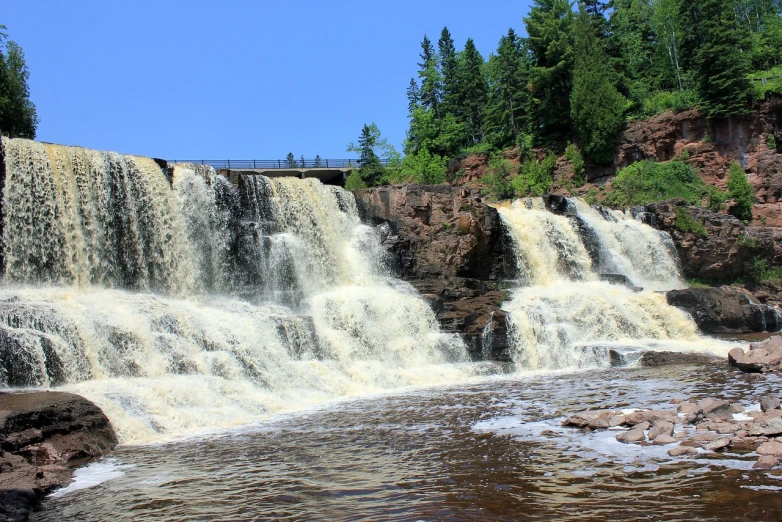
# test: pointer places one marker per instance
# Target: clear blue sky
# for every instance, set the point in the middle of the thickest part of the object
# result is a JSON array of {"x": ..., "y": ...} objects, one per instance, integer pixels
[{"x": 233, "y": 79}]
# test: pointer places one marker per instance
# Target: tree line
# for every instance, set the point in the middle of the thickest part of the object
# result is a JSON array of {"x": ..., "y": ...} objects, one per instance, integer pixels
[
  {"x": 583, "y": 70},
  {"x": 18, "y": 117}
]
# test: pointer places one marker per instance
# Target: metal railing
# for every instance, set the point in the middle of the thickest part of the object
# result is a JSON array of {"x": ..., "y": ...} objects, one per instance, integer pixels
[{"x": 279, "y": 164}]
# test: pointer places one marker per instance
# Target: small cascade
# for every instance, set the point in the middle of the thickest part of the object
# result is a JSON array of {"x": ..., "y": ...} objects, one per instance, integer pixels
[
  {"x": 564, "y": 316},
  {"x": 194, "y": 304}
]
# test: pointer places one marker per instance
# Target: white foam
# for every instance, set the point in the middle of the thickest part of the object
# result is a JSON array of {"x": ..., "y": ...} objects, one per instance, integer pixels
[{"x": 90, "y": 476}]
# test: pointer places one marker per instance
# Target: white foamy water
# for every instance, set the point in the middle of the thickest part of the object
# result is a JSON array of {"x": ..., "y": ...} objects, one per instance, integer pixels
[{"x": 565, "y": 317}]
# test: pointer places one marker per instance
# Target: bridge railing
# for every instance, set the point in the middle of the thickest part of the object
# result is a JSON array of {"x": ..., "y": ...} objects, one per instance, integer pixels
[{"x": 279, "y": 164}]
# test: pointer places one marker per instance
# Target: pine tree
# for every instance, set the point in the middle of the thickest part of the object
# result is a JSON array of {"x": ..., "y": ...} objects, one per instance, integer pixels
[
  {"x": 631, "y": 47},
  {"x": 740, "y": 191},
  {"x": 472, "y": 91},
  {"x": 715, "y": 46},
  {"x": 429, "y": 93},
  {"x": 18, "y": 117},
  {"x": 290, "y": 161},
  {"x": 508, "y": 99},
  {"x": 413, "y": 96},
  {"x": 548, "y": 27},
  {"x": 448, "y": 72},
  {"x": 318, "y": 162},
  {"x": 370, "y": 167},
  {"x": 596, "y": 106},
  {"x": 303, "y": 162}
]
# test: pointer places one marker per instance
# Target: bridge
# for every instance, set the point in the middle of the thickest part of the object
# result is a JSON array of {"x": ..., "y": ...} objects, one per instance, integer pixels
[{"x": 328, "y": 171}]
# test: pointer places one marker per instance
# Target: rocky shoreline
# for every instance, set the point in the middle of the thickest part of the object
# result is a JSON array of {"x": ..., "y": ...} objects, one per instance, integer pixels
[{"x": 44, "y": 437}]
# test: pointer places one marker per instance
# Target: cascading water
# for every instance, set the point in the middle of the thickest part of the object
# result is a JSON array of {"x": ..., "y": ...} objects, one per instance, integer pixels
[
  {"x": 565, "y": 316},
  {"x": 268, "y": 296}
]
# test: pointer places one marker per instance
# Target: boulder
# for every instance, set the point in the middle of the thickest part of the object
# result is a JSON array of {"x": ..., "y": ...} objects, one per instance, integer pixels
[
  {"x": 663, "y": 439},
  {"x": 595, "y": 419},
  {"x": 634, "y": 435},
  {"x": 723, "y": 310},
  {"x": 43, "y": 436},
  {"x": 651, "y": 416},
  {"x": 662, "y": 358},
  {"x": 718, "y": 444},
  {"x": 661, "y": 428},
  {"x": 682, "y": 450},
  {"x": 768, "y": 426},
  {"x": 772, "y": 448},
  {"x": 766, "y": 462},
  {"x": 761, "y": 357},
  {"x": 769, "y": 403},
  {"x": 718, "y": 410}
]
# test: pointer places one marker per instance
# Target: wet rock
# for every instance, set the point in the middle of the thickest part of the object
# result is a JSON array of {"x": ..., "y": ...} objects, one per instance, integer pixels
[
  {"x": 743, "y": 442},
  {"x": 718, "y": 444},
  {"x": 772, "y": 448},
  {"x": 736, "y": 408},
  {"x": 687, "y": 407},
  {"x": 617, "y": 420},
  {"x": 768, "y": 426},
  {"x": 663, "y": 439},
  {"x": 634, "y": 435},
  {"x": 722, "y": 310},
  {"x": 597, "y": 419},
  {"x": 651, "y": 416},
  {"x": 718, "y": 410},
  {"x": 769, "y": 403},
  {"x": 704, "y": 437},
  {"x": 661, "y": 428},
  {"x": 661, "y": 358},
  {"x": 42, "y": 436},
  {"x": 766, "y": 462},
  {"x": 762, "y": 357},
  {"x": 681, "y": 451}
]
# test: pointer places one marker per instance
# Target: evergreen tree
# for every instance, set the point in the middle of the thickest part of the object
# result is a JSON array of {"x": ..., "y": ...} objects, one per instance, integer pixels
[
  {"x": 318, "y": 162},
  {"x": 631, "y": 46},
  {"x": 429, "y": 93},
  {"x": 597, "y": 108},
  {"x": 448, "y": 71},
  {"x": 715, "y": 46},
  {"x": 303, "y": 162},
  {"x": 18, "y": 117},
  {"x": 668, "y": 34},
  {"x": 508, "y": 71},
  {"x": 370, "y": 167},
  {"x": 290, "y": 161},
  {"x": 472, "y": 91},
  {"x": 548, "y": 27},
  {"x": 740, "y": 190},
  {"x": 413, "y": 96}
]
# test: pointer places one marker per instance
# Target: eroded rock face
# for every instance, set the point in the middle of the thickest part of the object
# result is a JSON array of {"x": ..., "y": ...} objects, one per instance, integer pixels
[
  {"x": 725, "y": 310},
  {"x": 43, "y": 436},
  {"x": 449, "y": 245}
]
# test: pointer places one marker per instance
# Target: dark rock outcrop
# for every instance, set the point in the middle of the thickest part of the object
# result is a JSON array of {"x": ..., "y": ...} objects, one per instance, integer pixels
[
  {"x": 725, "y": 310},
  {"x": 448, "y": 243},
  {"x": 43, "y": 437}
]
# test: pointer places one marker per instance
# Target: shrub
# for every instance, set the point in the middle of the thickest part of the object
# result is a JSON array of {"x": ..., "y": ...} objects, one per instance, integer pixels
[
  {"x": 354, "y": 181},
  {"x": 535, "y": 177},
  {"x": 574, "y": 156},
  {"x": 685, "y": 223},
  {"x": 771, "y": 142},
  {"x": 423, "y": 167},
  {"x": 647, "y": 181},
  {"x": 685, "y": 154},
  {"x": 747, "y": 241},
  {"x": 662, "y": 101},
  {"x": 497, "y": 180},
  {"x": 591, "y": 196},
  {"x": 740, "y": 190},
  {"x": 484, "y": 148},
  {"x": 716, "y": 198}
]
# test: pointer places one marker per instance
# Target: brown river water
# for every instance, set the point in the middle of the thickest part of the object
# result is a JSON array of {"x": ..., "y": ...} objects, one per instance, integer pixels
[{"x": 491, "y": 449}]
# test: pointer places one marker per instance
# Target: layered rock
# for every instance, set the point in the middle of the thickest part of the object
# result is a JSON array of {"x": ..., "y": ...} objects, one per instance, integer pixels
[
  {"x": 725, "y": 310},
  {"x": 448, "y": 243},
  {"x": 43, "y": 437},
  {"x": 761, "y": 357}
]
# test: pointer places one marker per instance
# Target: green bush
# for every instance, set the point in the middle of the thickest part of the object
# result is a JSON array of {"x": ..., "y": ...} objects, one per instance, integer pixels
[
  {"x": 772, "y": 86},
  {"x": 771, "y": 142},
  {"x": 591, "y": 197},
  {"x": 497, "y": 180},
  {"x": 354, "y": 181},
  {"x": 535, "y": 177},
  {"x": 574, "y": 156},
  {"x": 740, "y": 190},
  {"x": 422, "y": 167},
  {"x": 661, "y": 101},
  {"x": 716, "y": 198},
  {"x": 747, "y": 241},
  {"x": 685, "y": 223},
  {"x": 685, "y": 154},
  {"x": 646, "y": 182},
  {"x": 759, "y": 270},
  {"x": 484, "y": 148}
]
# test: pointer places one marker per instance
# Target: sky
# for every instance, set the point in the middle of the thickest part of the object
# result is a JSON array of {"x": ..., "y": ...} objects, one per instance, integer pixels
[{"x": 233, "y": 79}]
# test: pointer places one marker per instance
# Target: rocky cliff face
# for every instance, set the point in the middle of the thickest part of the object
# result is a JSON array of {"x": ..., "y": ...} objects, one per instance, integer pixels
[{"x": 448, "y": 243}]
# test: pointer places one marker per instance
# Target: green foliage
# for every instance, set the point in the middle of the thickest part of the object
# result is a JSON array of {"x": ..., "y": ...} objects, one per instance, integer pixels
[
  {"x": 715, "y": 47},
  {"x": 371, "y": 148},
  {"x": 747, "y": 241},
  {"x": 575, "y": 158},
  {"x": 484, "y": 147},
  {"x": 686, "y": 223},
  {"x": 596, "y": 107},
  {"x": 766, "y": 84},
  {"x": 535, "y": 177},
  {"x": 591, "y": 196},
  {"x": 423, "y": 167},
  {"x": 740, "y": 191},
  {"x": 685, "y": 154},
  {"x": 696, "y": 282},
  {"x": 18, "y": 117},
  {"x": 707, "y": 138},
  {"x": 771, "y": 142},
  {"x": 498, "y": 178},
  {"x": 508, "y": 98},
  {"x": 354, "y": 181},
  {"x": 716, "y": 198},
  {"x": 662, "y": 101},
  {"x": 647, "y": 181},
  {"x": 759, "y": 270},
  {"x": 290, "y": 161}
]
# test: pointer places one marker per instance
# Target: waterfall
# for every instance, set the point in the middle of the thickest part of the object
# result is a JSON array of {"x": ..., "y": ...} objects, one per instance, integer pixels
[
  {"x": 563, "y": 315},
  {"x": 189, "y": 304}
]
